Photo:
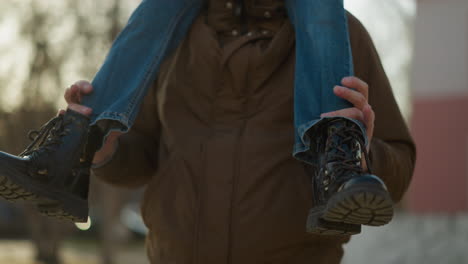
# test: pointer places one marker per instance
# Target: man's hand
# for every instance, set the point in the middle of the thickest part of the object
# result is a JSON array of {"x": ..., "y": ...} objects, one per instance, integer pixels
[
  {"x": 73, "y": 96},
  {"x": 359, "y": 97}
]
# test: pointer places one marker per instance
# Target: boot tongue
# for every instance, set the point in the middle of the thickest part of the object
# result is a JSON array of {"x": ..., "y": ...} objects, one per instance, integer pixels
[
  {"x": 55, "y": 134},
  {"x": 343, "y": 148}
]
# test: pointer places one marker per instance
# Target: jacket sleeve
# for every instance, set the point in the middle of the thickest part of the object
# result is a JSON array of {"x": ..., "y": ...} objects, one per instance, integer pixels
[
  {"x": 135, "y": 159},
  {"x": 392, "y": 150}
]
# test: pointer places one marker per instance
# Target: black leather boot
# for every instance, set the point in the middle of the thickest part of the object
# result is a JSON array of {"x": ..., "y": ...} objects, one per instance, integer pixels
[
  {"x": 53, "y": 171},
  {"x": 345, "y": 196}
]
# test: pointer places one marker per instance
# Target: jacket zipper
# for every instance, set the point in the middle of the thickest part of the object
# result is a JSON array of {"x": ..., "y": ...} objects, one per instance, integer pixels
[
  {"x": 196, "y": 231},
  {"x": 237, "y": 163}
]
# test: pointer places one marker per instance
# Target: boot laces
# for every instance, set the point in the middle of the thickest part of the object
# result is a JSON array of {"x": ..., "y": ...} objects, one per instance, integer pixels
[
  {"x": 345, "y": 147},
  {"x": 47, "y": 138}
]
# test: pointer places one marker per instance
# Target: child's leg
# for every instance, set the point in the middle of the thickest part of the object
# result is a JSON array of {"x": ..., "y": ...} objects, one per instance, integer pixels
[
  {"x": 53, "y": 172},
  {"x": 154, "y": 30},
  {"x": 323, "y": 59},
  {"x": 345, "y": 196}
]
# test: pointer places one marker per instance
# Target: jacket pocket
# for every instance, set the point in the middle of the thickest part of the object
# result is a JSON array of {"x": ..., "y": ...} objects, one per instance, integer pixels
[
  {"x": 169, "y": 200},
  {"x": 152, "y": 189}
]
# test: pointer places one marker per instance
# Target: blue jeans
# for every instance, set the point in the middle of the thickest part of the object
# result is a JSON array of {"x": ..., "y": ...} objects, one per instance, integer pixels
[
  {"x": 323, "y": 58},
  {"x": 157, "y": 27}
]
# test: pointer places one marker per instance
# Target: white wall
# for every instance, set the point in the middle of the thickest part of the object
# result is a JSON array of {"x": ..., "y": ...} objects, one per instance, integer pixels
[
  {"x": 441, "y": 49},
  {"x": 390, "y": 24}
]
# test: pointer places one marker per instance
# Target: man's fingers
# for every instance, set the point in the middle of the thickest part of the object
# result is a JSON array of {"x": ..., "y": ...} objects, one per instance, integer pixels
[
  {"x": 353, "y": 113},
  {"x": 84, "y": 87},
  {"x": 354, "y": 97},
  {"x": 369, "y": 115},
  {"x": 369, "y": 118},
  {"x": 358, "y": 84},
  {"x": 80, "y": 109},
  {"x": 67, "y": 95},
  {"x": 74, "y": 93},
  {"x": 61, "y": 112}
]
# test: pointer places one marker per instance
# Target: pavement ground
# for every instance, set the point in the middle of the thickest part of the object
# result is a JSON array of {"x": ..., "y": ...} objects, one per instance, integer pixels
[
  {"x": 22, "y": 252},
  {"x": 408, "y": 239}
]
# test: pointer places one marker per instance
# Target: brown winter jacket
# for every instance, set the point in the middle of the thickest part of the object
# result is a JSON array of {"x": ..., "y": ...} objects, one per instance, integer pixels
[{"x": 213, "y": 141}]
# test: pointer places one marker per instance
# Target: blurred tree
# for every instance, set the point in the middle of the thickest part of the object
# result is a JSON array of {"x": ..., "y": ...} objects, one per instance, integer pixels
[
  {"x": 64, "y": 40},
  {"x": 59, "y": 42}
]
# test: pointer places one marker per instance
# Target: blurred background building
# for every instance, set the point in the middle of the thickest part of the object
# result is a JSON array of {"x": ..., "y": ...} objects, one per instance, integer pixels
[
  {"x": 433, "y": 228},
  {"x": 440, "y": 103},
  {"x": 45, "y": 45}
]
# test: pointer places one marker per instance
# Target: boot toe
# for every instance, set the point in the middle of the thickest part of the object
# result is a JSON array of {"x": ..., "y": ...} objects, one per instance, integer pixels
[
  {"x": 364, "y": 180},
  {"x": 14, "y": 178}
]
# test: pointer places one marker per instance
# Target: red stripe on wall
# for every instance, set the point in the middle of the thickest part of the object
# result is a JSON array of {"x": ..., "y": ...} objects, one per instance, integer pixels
[{"x": 440, "y": 129}]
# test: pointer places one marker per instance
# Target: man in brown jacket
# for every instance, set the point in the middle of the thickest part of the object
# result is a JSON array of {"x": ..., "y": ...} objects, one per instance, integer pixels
[{"x": 213, "y": 139}]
